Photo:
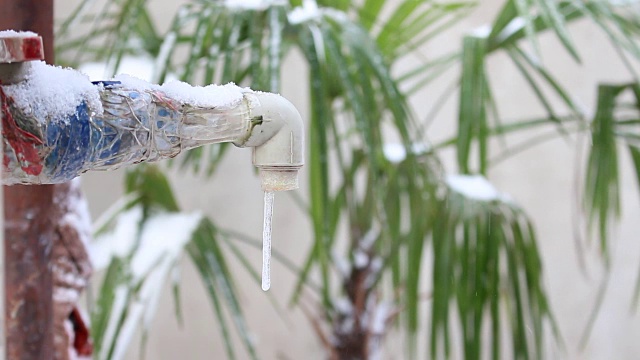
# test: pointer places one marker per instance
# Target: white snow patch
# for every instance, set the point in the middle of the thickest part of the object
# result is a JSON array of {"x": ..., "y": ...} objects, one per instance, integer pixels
[
  {"x": 343, "y": 306},
  {"x": 308, "y": 11},
  {"x": 227, "y": 95},
  {"x": 624, "y": 2},
  {"x": 360, "y": 259},
  {"x": 475, "y": 187},
  {"x": 135, "y": 83},
  {"x": 125, "y": 336},
  {"x": 53, "y": 92},
  {"x": 396, "y": 152},
  {"x": 481, "y": 32},
  {"x": 151, "y": 291},
  {"x": 142, "y": 69},
  {"x": 380, "y": 316},
  {"x": 163, "y": 235},
  {"x": 346, "y": 327},
  {"x": 154, "y": 253},
  {"x": 512, "y": 27},
  {"x": 367, "y": 241},
  {"x": 65, "y": 295},
  {"x": 420, "y": 148},
  {"x": 251, "y": 4},
  {"x": 342, "y": 265},
  {"x": 142, "y": 307},
  {"x": 17, "y": 34},
  {"x": 375, "y": 267},
  {"x": 78, "y": 216},
  {"x": 118, "y": 243},
  {"x": 119, "y": 302},
  {"x": 108, "y": 215},
  {"x": 68, "y": 279}
]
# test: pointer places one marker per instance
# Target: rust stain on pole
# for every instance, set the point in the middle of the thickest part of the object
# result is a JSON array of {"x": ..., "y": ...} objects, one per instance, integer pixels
[
  {"x": 31, "y": 214},
  {"x": 29, "y": 281}
]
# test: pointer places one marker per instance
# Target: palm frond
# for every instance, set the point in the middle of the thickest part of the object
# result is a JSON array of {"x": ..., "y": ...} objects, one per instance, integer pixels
[
  {"x": 368, "y": 97},
  {"x": 602, "y": 198},
  {"x": 472, "y": 116},
  {"x": 484, "y": 238},
  {"x": 141, "y": 246}
]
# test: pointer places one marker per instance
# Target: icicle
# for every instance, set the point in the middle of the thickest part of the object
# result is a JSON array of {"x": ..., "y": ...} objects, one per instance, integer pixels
[{"x": 266, "y": 240}]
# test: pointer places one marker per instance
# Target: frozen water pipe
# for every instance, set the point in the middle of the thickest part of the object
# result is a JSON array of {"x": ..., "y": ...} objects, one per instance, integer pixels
[{"x": 59, "y": 125}]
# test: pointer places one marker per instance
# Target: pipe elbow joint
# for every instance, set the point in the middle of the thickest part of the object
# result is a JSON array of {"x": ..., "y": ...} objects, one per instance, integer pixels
[{"x": 277, "y": 138}]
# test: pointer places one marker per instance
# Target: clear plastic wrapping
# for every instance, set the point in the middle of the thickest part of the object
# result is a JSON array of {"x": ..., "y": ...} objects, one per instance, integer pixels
[{"x": 134, "y": 125}]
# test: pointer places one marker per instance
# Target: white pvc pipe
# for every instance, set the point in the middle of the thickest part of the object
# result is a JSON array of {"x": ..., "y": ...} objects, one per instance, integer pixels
[{"x": 277, "y": 141}]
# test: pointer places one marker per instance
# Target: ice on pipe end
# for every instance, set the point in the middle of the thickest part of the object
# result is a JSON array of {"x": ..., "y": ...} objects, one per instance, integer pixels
[{"x": 279, "y": 179}]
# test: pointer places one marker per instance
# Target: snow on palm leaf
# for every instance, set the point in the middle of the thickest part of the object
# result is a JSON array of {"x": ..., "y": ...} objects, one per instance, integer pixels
[{"x": 147, "y": 254}]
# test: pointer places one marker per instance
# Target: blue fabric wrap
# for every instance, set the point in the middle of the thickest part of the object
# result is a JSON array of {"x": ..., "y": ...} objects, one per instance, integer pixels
[
  {"x": 106, "y": 83},
  {"x": 105, "y": 139},
  {"x": 73, "y": 142},
  {"x": 79, "y": 142},
  {"x": 69, "y": 141},
  {"x": 106, "y": 142}
]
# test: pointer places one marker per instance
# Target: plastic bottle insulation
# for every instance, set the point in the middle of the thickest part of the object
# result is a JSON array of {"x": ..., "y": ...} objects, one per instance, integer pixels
[{"x": 111, "y": 124}]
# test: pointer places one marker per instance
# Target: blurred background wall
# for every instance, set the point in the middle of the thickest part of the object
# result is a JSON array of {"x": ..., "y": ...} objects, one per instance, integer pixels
[{"x": 542, "y": 180}]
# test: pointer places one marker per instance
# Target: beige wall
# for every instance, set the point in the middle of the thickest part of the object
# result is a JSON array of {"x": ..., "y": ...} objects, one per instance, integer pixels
[{"x": 542, "y": 180}]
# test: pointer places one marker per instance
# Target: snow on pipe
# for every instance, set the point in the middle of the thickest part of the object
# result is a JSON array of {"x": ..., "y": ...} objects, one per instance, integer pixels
[{"x": 59, "y": 125}]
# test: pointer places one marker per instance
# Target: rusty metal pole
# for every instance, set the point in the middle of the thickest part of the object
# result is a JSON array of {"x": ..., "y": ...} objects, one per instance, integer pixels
[
  {"x": 29, "y": 229},
  {"x": 3, "y": 331},
  {"x": 46, "y": 233},
  {"x": 3, "y": 338}
]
